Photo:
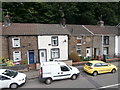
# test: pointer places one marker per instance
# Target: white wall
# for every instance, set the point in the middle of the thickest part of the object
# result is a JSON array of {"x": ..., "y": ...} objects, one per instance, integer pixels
[
  {"x": 44, "y": 41},
  {"x": 117, "y": 45}
]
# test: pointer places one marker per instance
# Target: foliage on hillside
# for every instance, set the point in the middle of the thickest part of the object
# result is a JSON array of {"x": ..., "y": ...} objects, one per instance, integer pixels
[{"x": 74, "y": 12}]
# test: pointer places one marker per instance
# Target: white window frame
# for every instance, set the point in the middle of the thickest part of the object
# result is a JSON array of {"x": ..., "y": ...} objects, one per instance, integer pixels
[
  {"x": 79, "y": 38},
  {"x": 16, "y": 57},
  {"x": 106, "y": 40},
  {"x": 54, "y": 39},
  {"x": 16, "y": 44},
  {"x": 79, "y": 54},
  {"x": 55, "y": 53}
]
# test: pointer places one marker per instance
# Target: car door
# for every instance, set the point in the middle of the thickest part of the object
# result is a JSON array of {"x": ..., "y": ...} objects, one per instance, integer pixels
[
  {"x": 97, "y": 67},
  {"x": 1, "y": 81},
  {"x": 4, "y": 81},
  {"x": 65, "y": 72},
  {"x": 105, "y": 68}
]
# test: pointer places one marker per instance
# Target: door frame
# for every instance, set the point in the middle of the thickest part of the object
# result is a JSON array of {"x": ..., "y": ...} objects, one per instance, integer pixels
[
  {"x": 39, "y": 54},
  {"x": 96, "y": 52},
  {"x": 28, "y": 56}
]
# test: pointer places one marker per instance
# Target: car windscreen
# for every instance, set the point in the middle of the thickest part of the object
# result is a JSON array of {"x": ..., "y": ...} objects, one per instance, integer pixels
[
  {"x": 10, "y": 73},
  {"x": 89, "y": 64}
]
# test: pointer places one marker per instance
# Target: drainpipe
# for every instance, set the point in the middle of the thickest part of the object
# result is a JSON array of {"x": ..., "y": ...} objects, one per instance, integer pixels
[
  {"x": 8, "y": 47},
  {"x": 102, "y": 45}
]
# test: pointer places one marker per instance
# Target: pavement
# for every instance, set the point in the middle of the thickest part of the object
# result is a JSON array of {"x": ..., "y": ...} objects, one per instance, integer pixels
[{"x": 32, "y": 74}]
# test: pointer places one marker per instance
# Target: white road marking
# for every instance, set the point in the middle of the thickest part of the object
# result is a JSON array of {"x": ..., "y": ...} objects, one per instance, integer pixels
[{"x": 109, "y": 86}]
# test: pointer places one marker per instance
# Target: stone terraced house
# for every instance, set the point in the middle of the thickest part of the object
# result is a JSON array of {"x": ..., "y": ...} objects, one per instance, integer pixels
[
  {"x": 35, "y": 42},
  {"x": 46, "y": 42},
  {"x": 92, "y": 40}
]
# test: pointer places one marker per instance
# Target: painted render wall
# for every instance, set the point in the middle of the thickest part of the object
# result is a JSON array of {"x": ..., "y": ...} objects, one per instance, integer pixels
[
  {"x": 97, "y": 43},
  {"x": 44, "y": 42},
  {"x": 117, "y": 45}
]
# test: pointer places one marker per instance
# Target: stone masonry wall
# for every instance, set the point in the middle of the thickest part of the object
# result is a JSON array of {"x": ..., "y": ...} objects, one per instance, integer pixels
[{"x": 26, "y": 43}]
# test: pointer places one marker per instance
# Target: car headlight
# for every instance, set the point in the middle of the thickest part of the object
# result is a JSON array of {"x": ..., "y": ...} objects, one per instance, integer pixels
[{"x": 21, "y": 80}]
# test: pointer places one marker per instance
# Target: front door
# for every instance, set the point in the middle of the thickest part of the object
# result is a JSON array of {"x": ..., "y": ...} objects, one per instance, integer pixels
[
  {"x": 96, "y": 52},
  {"x": 88, "y": 52},
  {"x": 42, "y": 55},
  {"x": 31, "y": 57}
]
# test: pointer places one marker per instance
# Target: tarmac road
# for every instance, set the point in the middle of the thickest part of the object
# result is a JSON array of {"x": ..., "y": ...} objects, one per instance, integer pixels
[{"x": 85, "y": 80}]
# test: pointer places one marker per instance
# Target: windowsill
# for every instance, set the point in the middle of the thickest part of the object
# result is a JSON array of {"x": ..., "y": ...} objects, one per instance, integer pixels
[
  {"x": 79, "y": 44},
  {"x": 54, "y": 45},
  {"x": 106, "y": 44},
  {"x": 16, "y": 47}
]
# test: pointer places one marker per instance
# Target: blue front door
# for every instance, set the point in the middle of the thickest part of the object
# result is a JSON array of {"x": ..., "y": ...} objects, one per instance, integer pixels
[{"x": 31, "y": 57}]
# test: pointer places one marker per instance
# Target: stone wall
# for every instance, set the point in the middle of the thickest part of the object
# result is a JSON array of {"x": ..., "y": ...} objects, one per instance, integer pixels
[
  {"x": 86, "y": 42},
  {"x": 16, "y": 67},
  {"x": 27, "y": 43}
]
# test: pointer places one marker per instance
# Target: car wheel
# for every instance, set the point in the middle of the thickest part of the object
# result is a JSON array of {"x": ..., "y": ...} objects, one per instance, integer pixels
[
  {"x": 95, "y": 73},
  {"x": 48, "y": 81},
  {"x": 74, "y": 77},
  {"x": 113, "y": 70},
  {"x": 14, "y": 85}
]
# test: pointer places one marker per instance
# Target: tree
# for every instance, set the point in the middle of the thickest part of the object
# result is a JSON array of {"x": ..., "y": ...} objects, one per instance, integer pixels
[{"x": 74, "y": 12}]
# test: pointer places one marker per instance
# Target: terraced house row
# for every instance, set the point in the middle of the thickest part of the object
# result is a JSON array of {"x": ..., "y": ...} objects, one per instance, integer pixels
[{"x": 46, "y": 42}]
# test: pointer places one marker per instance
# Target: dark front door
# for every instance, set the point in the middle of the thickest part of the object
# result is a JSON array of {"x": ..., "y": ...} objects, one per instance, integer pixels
[{"x": 31, "y": 57}]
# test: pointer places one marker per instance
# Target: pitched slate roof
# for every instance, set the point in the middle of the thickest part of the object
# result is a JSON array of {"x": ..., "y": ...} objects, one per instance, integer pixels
[
  {"x": 95, "y": 29},
  {"x": 76, "y": 30},
  {"x": 34, "y": 29}
]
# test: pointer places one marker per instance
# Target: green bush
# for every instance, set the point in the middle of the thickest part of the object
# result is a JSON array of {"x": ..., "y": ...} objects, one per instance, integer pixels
[
  {"x": 87, "y": 59},
  {"x": 6, "y": 62},
  {"x": 3, "y": 60},
  {"x": 74, "y": 56},
  {"x": 24, "y": 62},
  {"x": 9, "y": 63},
  {"x": 81, "y": 58}
]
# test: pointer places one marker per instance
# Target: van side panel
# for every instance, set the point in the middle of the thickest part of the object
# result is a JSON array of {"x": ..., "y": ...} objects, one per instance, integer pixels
[
  {"x": 46, "y": 72},
  {"x": 55, "y": 70}
]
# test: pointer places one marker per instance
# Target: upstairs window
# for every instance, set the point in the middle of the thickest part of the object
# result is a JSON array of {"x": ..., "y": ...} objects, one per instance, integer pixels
[
  {"x": 16, "y": 42},
  {"x": 16, "y": 55},
  {"x": 54, "y": 41},
  {"x": 106, "y": 40},
  {"x": 79, "y": 40}
]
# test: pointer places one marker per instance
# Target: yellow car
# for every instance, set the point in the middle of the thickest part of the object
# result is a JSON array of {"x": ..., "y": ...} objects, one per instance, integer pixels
[{"x": 96, "y": 67}]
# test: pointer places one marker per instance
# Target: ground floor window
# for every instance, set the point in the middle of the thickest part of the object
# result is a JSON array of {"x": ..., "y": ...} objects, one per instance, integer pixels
[
  {"x": 79, "y": 51},
  {"x": 16, "y": 56},
  {"x": 55, "y": 53}
]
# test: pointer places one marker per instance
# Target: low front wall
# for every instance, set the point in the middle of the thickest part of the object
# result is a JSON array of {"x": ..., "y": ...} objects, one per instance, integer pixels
[
  {"x": 107, "y": 60},
  {"x": 68, "y": 62},
  {"x": 21, "y": 68}
]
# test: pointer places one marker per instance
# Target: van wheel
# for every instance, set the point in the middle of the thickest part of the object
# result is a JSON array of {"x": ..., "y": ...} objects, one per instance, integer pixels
[
  {"x": 95, "y": 73},
  {"x": 14, "y": 86},
  {"x": 48, "y": 81},
  {"x": 74, "y": 77},
  {"x": 113, "y": 70}
]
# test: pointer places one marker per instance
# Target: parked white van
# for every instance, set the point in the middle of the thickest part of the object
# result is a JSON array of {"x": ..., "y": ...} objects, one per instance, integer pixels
[{"x": 50, "y": 71}]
